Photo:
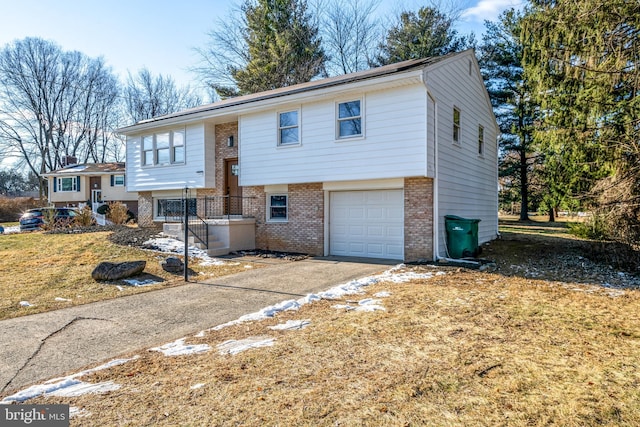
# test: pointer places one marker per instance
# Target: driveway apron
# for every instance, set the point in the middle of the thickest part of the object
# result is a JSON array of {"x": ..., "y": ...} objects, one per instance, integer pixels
[{"x": 43, "y": 346}]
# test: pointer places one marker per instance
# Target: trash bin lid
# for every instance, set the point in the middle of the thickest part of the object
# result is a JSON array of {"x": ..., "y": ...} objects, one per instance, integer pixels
[{"x": 458, "y": 218}]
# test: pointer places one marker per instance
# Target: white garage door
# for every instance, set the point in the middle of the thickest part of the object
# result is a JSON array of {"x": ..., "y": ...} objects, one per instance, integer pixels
[{"x": 367, "y": 223}]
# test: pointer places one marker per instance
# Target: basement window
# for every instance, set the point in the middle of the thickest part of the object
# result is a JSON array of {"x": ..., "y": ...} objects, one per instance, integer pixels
[{"x": 277, "y": 207}]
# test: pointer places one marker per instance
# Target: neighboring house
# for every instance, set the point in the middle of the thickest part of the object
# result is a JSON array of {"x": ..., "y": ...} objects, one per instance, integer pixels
[
  {"x": 365, "y": 164},
  {"x": 94, "y": 183}
]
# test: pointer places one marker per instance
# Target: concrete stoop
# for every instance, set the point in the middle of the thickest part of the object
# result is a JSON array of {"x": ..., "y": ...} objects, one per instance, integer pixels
[{"x": 225, "y": 235}]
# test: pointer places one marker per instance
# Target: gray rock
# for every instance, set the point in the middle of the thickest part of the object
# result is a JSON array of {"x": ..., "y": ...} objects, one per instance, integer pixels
[
  {"x": 172, "y": 265},
  {"x": 118, "y": 271}
]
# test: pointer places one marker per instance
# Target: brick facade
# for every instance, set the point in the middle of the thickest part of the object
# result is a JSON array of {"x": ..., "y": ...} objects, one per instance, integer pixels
[
  {"x": 223, "y": 152},
  {"x": 145, "y": 209},
  {"x": 303, "y": 232},
  {"x": 418, "y": 219}
]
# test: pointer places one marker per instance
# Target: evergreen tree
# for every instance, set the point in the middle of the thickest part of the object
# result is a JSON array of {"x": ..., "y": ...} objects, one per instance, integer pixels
[
  {"x": 582, "y": 59},
  {"x": 283, "y": 48},
  {"x": 420, "y": 35},
  {"x": 501, "y": 63}
]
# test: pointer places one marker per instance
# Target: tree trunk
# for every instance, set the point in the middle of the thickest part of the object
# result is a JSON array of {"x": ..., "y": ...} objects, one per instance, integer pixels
[
  {"x": 524, "y": 185},
  {"x": 552, "y": 214}
]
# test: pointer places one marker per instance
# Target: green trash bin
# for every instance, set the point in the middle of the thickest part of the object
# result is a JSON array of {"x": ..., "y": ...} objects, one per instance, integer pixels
[{"x": 462, "y": 236}]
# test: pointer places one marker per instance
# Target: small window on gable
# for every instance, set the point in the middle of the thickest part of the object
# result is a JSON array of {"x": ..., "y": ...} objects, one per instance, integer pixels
[
  {"x": 480, "y": 140},
  {"x": 277, "y": 207},
  {"x": 349, "y": 119},
  {"x": 288, "y": 128},
  {"x": 456, "y": 125}
]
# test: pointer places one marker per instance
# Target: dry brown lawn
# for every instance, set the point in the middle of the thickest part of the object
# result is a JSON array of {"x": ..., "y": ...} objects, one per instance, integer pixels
[
  {"x": 467, "y": 348},
  {"x": 39, "y": 267}
]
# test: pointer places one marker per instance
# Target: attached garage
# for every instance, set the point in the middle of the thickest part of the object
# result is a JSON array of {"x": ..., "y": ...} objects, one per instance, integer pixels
[{"x": 367, "y": 223}]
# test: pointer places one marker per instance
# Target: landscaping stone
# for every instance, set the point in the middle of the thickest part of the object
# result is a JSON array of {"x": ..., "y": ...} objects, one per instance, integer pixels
[
  {"x": 118, "y": 271},
  {"x": 172, "y": 265}
]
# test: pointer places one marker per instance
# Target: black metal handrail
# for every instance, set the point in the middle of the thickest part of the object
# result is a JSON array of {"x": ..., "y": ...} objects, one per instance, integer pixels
[
  {"x": 208, "y": 207},
  {"x": 227, "y": 206},
  {"x": 199, "y": 229}
]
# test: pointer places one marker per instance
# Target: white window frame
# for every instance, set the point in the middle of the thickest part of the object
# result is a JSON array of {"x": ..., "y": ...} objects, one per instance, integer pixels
[
  {"x": 147, "y": 152},
  {"x": 270, "y": 205},
  {"x": 74, "y": 184},
  {"x": 480, "y": 140},
  {"x": 118, "y": 180},
  {"x": 150, "y": 154},
  {"x": 359, "y": 117},
  {"x": 457, "y": 128},
  {"x": 296, "y": 126}
]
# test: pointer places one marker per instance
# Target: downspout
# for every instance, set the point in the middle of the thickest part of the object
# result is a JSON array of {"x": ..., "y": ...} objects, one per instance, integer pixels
[{"x": 436, "y": 220}]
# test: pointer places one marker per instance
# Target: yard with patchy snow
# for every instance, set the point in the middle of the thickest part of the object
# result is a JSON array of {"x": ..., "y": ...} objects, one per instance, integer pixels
[{"x": 548, "y": 336}]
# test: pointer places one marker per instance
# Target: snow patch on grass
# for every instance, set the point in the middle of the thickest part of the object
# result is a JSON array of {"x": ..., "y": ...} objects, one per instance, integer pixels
[{"x": 179, "y": 348}]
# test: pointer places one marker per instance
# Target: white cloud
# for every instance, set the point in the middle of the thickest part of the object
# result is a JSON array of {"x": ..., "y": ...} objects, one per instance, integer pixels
[{"x": 490, "y": 9}]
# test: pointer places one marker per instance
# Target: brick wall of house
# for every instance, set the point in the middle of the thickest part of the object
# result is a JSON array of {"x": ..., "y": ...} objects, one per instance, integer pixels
[
  {"x": 303, "y": 232},
  {"x": 223, "y": 152},
  {"x": 418, "y": 219},
  {"x": 145, "y": 209}
]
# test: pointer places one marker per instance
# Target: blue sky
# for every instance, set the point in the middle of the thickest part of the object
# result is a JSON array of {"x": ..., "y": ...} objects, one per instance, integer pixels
[{"x": 159, "y": 34}]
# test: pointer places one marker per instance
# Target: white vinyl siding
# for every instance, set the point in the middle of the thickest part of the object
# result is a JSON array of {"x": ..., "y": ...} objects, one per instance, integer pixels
[
  {"x": 394, "y": 144},
  {"x": 467, "y": 183},
  {"x": 190, "y": 173}
]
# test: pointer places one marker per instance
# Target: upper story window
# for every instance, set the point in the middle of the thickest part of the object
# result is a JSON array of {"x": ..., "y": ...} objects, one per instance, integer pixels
[
  {"x": 67, "y": 184},
  {"x": 480, "y": 140},
  {"x": 117, "y": 180},
  {"x": 456, "y": 125},
  {"x": 349, "y": 119},
  {"x": 288, "y": 128},
  {"x": 164, "y": 148}
]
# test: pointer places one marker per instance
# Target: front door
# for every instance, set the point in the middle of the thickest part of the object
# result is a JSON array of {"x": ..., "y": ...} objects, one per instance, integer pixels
[{"x": 233, "y": 205}]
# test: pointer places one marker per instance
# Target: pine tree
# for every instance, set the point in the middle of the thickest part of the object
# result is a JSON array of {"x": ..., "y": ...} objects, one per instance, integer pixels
[
  {"x": 501, "y": 63},
  {"x": 283, "y": 47},
  {"x": 420, "y": 35},
  {"x": 582, "y": 59}
]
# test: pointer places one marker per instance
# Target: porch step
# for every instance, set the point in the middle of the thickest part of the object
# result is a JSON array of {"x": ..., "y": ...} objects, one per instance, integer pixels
[{"x": 218, "y": 251}]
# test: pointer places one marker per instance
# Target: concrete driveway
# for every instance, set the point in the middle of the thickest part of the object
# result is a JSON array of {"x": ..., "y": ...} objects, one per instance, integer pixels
[{"x": 47, "y": 345}]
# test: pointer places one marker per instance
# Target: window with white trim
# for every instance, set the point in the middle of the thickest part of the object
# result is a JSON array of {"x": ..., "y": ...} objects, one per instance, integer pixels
[
  {"x": 277, "y": 207},
  {"x": 118, "y": 181},
  {"x": 67, "y": 184},
  {"x": 163, "y": 148},
  {"x": 349, "y": 119},
  {"x": 456, "y": 125},
  {"x": 288, "y": 128},
  {"x": 147, "y": 150},
  {"x": 480, "y": 140}
]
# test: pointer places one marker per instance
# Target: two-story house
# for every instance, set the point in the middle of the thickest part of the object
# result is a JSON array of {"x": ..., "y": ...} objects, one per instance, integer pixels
[
  {"x": 90, "y": 183},
  {"x": 365, "y": 164}
]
